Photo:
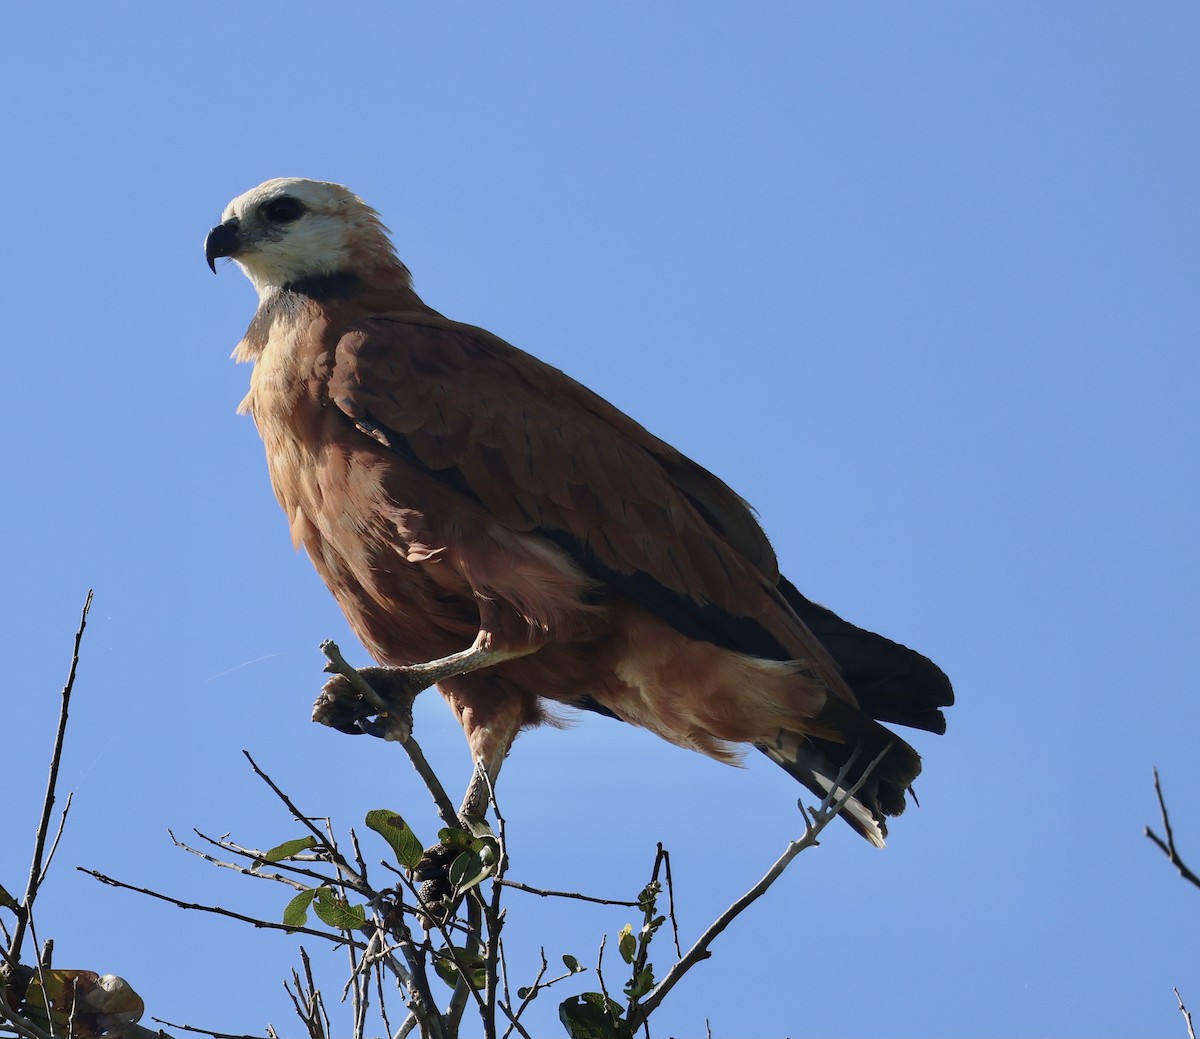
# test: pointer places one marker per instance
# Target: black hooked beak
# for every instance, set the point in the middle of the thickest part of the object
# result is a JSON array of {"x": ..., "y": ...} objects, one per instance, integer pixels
[{"x": 222, "y": 240}]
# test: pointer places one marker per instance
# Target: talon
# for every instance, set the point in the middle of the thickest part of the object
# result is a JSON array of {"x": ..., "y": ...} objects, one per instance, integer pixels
[{"x": 341, "y": 706}]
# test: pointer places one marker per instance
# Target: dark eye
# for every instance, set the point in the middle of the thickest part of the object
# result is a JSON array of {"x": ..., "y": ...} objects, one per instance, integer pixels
[{"x": 283, "y": 210}]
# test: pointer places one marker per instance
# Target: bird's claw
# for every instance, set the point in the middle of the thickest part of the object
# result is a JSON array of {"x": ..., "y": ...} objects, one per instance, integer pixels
[{"x": 343, "y": 707}]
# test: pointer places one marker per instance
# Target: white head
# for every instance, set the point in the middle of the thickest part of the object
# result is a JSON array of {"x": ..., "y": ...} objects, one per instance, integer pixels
[{"x": 289, "y": 230}]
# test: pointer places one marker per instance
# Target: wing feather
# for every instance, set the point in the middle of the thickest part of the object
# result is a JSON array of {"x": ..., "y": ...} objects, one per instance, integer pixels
[{"x": 540, "y": 452}]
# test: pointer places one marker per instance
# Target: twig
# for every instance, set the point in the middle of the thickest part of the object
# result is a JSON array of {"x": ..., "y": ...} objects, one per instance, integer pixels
[
  {"x": 62, "y": 824},
  {"x": 1186, "y": 1014},
  {"x": 37, "y": 871},
  {"x": 248, "y": 871},
  {"x": 545, "y": 893},
  {"x": 336, "y": 939},
  {"x": 1168, "y": 846},
  {"x": 600, "y": 972},
  {"x": 530, "y": 993},
  {"x": 339, "y": 666},
  {"x": 822, "y": 817},
  {"x": 202, "y": 1031},
  {"x": 19, "y": 1025},
  {"x": 666, "y": 856},
  {"x": 383, "y": 1014},
  {"x": 335, "y": 856},
  {"x": 256, "y": 855}
]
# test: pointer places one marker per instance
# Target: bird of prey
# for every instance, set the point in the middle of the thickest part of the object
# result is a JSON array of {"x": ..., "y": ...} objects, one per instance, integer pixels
[{"x": 492, "y": 526}]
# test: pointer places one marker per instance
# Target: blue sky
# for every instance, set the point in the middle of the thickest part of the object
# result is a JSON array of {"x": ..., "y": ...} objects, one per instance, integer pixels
[{"x": 917, "y": 279}]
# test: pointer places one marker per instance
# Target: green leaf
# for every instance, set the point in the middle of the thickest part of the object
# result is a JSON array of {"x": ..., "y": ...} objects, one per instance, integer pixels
[
  {"x": 466, "y": 871},
  {"x": 398, "y": 834},
  {"x": 453, "y": 837},
  {"x": 337, "y": 912},
  {"x": 525, "y": 992},
  {"x": 6, "y": 900},
  {"x": 295, "y": 913},
  {"x": 451, "y": 963},
  {"x": 573, "y": 965},
  {"x": 648, "y": 895},
  {"x": 478, "y": 827},
  {"x": 289, "y": 849},
  {"x": 627, "y": 943},
  {"x": 488, "y": 850},
  {"x": 447, "y": 970},
  {"x": 592, "y": 1016},
  {"x": 642, "y": 983}
]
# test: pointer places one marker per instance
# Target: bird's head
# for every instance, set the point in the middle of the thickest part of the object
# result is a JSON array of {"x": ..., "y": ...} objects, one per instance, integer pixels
[{"x": 289, "y": 231}]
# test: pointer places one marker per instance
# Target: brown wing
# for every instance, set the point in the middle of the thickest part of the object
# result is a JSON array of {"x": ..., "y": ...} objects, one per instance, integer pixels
[{"x": 543, "y": 454}]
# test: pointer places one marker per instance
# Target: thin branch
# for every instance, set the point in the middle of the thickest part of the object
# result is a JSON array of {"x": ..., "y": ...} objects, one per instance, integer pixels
[
  {"x": 335, "y": 856},
  {"x": 822, "y": 817},
  {"x": 202, "y": 1031},
  {"x": 37, "y": 870},
  {"x": 19, "y": 1025},
  {"x": 336, "y": 939},
  {"x": 338, "y": 665},
  {"x": 248, "y": 871},
  {"x": 1187, "y": 1017},
  {"x": 257, "y": 855},
  {"x": 544, "y": 893},
  {"x": 1168, "y": 846},
  {"x": 383, "y": 1014},
  {"x": 530, "y": 992},
  {"x": 666, "y": 857},
  {"x": 62, "y": 824}
]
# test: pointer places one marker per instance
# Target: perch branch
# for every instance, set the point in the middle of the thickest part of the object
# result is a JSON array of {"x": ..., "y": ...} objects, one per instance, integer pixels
[{"x": 338, "y": 664}]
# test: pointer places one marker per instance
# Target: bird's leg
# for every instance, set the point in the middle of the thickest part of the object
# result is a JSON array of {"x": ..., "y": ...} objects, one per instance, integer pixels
[
  {"x": 479, "y": 793},
  {"x": 432, "y": 873},
  {"x": 380, "y": 703}
]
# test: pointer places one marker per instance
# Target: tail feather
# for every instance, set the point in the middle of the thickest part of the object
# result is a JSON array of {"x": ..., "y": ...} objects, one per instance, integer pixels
[
  {"x": 891, "y": 682},
  {"x": 817, "y": 763},
  {"x": 813, "y": 770}
]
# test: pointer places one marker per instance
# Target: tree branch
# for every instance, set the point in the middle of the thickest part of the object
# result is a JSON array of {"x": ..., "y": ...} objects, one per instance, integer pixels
[
  {"x": 37, "y": 870},
  {"x": 1168, "y": 846},
  {"x": 336, "y": 939},
  {"x": 544, "y": 893},
  {"x": 821, "y": 817},
  {"x": 338, "y": 665},
  {"x": 1187, "y": 1016}
]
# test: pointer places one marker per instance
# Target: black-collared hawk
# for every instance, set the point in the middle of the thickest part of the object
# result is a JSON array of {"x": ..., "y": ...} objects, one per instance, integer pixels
[{"x": 476, "y": 510}]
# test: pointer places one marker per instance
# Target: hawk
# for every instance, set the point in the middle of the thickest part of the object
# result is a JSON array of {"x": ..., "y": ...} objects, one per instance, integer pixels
[{"x": 490, "y": 525}]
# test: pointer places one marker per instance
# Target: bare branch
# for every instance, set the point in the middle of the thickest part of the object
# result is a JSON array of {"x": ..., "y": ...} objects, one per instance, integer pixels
[
  {"x": 323, "y": 840},
  {"x": 248, "y": 871},
  {"x": 821, "y": 817},
  {"x": 1187, "y": 1017},
  {"x": 336, "y": 939},
  {"x": 257, "y": 855},
  {"x": 545, "y": 893},
  {"x": 19, "y": 1025},
  {"x": 666, "y": 857},
  {"x": 62, "y": 823},
  {"x": 1168, "y": 846},
  {"x": 412, "y": 748},
  {"x": 201, "y": 1031},
  {"x": 37, "y": 868}
]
